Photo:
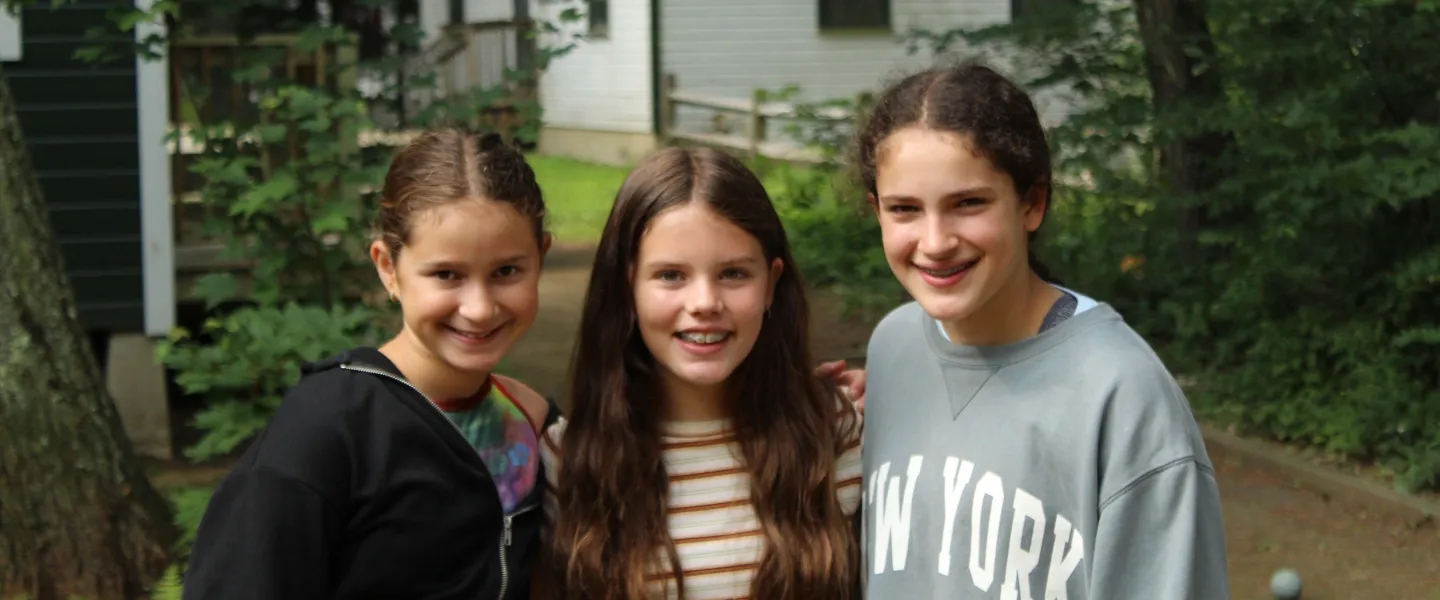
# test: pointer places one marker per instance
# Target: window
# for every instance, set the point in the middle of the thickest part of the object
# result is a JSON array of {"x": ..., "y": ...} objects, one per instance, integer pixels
[
  {"x": 1024, "y": 8},
  {"x": 9, "y": 34},
  {"x": 599, "y": 18},
  {"x": 854, "y": 14}
]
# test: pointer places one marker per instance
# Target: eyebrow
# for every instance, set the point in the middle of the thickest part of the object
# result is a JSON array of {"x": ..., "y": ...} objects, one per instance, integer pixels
[
  {"x": 750, "y": 260},
  {"x": 457, "y": 264},
  {"x": 960, "y": 194}
]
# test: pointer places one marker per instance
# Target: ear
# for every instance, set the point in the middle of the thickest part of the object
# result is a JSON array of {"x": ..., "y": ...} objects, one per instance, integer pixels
[
  {"x": 545, "y": 242},
  {"x": 384, "y": 265},
  {"x": 1034, "y": 207},
  {"x": 874, "y": 204},
  {"x": 777, "y": 267}
]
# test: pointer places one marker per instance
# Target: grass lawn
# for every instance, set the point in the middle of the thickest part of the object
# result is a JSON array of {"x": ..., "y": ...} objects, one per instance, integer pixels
[{"x": 578, "y": 196}]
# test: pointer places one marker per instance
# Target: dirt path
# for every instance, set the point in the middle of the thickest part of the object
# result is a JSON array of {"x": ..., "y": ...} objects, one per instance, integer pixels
[{"x": 1342, "y": 552}]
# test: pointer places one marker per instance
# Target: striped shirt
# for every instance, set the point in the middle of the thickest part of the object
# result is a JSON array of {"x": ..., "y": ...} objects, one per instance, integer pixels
[{"x": 716, "y": 532}]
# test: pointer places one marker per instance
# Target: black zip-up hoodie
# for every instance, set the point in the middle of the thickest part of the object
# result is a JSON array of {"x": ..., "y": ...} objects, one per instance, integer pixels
[{"x": 361, "y": 488}]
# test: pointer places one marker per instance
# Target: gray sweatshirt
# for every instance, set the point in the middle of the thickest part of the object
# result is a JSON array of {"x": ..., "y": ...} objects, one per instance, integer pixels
[{"x": 1064, "y": 466}]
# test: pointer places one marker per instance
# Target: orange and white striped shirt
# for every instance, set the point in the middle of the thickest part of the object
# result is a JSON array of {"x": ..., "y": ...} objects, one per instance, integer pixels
[{"x": 716, "y": 532}]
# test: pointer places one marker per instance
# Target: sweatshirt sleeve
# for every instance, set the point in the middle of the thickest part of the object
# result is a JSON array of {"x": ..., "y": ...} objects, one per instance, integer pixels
[
  {"x": 268, "y": 531},
  {"x": 1162, "y": 536},
  {"x": 264, "y": 536}
]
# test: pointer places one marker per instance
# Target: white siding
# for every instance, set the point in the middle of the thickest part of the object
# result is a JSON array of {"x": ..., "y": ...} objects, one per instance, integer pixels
[
  {"x": 602, "y": 85},
  {"x": 434, "y": 15},
  {"x": 731, "y": 48}
]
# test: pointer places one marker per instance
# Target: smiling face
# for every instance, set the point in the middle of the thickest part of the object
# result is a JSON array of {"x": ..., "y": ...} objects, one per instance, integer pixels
[
  {"x": 467, "y": 282},
  {"x": 702, "y": 285},
  {"x": 954, "y": 228}
]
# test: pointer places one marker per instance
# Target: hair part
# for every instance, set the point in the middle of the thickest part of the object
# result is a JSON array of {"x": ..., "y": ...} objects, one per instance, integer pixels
[
  {"x": 971, "y": 100},
  {"x": 612, "y": 534},
  {"x": 449, "y": 165}
]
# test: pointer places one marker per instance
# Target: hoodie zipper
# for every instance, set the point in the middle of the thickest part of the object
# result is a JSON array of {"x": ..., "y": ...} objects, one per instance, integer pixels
[
  {"x": 505, "y": 540},
  {"x": 505, "y": 533}
]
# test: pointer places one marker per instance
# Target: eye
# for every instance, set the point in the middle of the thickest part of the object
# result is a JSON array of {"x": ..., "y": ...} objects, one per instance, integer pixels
[
  {"x": 445, "y": 275},
  {"x": 506, "y": 271},
  {"x": 669, "y": 276},
  {"x": 735, "y": 274},
  {"x": 970, "y": 202},
  {"x": 901, "y": 208}
]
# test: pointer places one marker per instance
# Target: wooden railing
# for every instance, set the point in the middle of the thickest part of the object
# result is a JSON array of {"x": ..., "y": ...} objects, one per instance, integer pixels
[
  {"x": 754, "y": 137},
  {"x": 468, "y": 56}
]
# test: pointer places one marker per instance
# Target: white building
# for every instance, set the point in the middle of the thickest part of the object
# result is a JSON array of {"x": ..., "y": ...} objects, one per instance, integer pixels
[{"x": 601, "y": 100}]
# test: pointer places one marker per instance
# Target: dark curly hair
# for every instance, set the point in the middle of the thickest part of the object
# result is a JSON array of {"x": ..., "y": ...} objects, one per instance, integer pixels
[
  {"x": 446, "y": 165},
  {"x": 972, "y": 100}
]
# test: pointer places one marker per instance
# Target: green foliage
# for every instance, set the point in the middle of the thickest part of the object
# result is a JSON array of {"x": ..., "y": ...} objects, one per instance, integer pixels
[
  {"x": 832, "y": 232},
  {"x": 290, "y": 155},
  {"x": 243, "y": 361},
  {"x": 578, "y": 196},
  {"x": 189, "y": 503},
  {"x": 169, "y": 587},
  {"x": 1315, "y": 316}
]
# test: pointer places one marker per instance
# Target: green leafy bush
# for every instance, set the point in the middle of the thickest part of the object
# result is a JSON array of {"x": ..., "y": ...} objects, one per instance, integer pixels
[
  {"x": 242, "y": 363},
  {"x": 288, "y": 186},
  {"x": 1313, "y": 316}
]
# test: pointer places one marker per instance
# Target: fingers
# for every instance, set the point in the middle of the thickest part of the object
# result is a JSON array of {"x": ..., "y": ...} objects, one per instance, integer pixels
[{"x": 833, "y": 369}]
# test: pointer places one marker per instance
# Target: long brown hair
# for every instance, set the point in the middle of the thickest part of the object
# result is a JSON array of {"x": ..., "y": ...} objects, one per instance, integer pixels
[{"x": 613, "y": 488}]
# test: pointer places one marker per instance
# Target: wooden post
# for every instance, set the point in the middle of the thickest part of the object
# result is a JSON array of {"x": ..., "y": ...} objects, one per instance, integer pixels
[
  {"x": 472, "y": 58},
  {"x": 667, "y": 106},
  {"x": 757, "y": 122}
]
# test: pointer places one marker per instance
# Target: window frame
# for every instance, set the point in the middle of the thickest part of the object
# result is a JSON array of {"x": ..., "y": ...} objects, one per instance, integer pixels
[
  {"x": 880, "y": 17},
  {"x": 598, "y": 29}
]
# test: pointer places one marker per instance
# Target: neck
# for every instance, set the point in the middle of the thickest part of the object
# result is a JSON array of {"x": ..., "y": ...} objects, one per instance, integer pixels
[
  {"x": 685, "y": 401},
  {"x": 427, "y": 372},
  {"x": 1013, "y": 314}
]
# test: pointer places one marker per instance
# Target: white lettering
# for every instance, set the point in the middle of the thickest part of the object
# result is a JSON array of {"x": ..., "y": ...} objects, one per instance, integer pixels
[
  {"x": 983, "y": 573},
  {"x": 954, "y": 488},
  {"x": 1023, "y": 557},
  {"x": 892, "y": 527},
  {"x": 1062, "y": 564}
]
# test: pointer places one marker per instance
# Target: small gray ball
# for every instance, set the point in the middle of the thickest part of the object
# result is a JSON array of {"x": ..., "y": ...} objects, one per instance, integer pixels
[{"x": 1285, "y": 585}]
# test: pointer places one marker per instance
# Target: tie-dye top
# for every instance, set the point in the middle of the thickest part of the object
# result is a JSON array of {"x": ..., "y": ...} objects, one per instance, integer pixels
[{"x": 498, "y": 427}]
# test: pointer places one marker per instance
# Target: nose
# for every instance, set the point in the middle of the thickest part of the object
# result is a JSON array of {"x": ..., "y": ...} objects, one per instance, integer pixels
[
  {"x": 703, "y": 298},
  {"x": 937, "y": 239},
  {"x": 478, "y": 305}
]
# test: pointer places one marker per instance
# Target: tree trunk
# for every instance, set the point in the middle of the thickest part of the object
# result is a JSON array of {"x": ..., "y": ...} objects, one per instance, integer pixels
[
  {"x": 1182, "y": 65},
  {"x": 77, "y": 515}
]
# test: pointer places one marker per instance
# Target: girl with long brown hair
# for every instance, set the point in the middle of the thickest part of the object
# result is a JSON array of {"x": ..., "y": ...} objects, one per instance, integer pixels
[{"x": 702, "y": 457}]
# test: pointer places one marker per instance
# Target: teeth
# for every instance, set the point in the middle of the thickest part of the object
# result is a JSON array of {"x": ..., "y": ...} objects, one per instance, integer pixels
[
  {"x": 704, "y": 338},
  {"x": 949, "y": 272},
  {"x": 469, "y": 334}
]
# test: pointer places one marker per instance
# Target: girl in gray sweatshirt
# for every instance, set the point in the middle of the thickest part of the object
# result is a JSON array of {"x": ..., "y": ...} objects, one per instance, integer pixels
[{"x": 1021, "y": 441}]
